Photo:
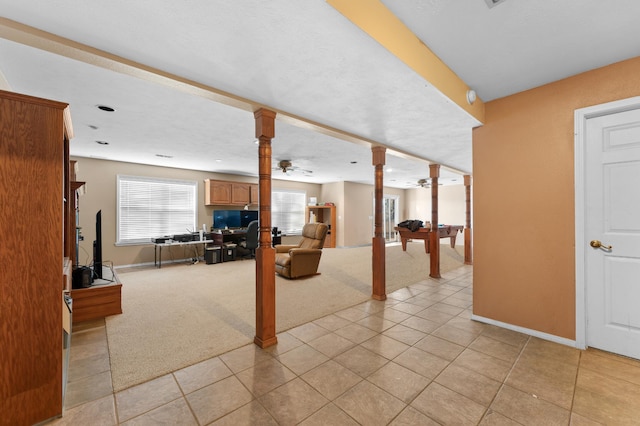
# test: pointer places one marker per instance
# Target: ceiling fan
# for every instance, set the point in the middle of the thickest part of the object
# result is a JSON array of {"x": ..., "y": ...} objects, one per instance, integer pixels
[
  {"x": 424, "y": 183},
  {"x": 286, "y": 167}
]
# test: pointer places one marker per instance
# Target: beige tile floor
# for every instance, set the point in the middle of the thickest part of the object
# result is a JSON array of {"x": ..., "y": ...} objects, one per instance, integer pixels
[{"x": 414, "y": 359}]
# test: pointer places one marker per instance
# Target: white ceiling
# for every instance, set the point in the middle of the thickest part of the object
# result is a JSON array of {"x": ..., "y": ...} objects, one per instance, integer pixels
[{"x": 305, "y": 59}]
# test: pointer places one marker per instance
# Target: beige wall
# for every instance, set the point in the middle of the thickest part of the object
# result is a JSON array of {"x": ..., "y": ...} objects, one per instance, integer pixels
[
  {"x": 354, "y": 207},
  {"x": 354, "y": 210},
  {"x": 523, "y": 192},
  {"x": 100, "y": 177},
  {"x": 358, "y": 206},
  {"x": 451, "y": 204}
]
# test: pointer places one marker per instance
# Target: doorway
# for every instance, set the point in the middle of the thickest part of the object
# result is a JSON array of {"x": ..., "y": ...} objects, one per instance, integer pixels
[
  {"x": 390, "y": 216},
  {"x": 607, "y": 175},
  {"x": 390, "y": 204}
]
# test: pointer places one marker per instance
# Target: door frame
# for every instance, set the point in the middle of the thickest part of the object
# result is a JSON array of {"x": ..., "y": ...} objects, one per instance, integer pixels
[
  {"x": 580, "y": 124},
  {"x": 396, "y": 202},
  {"x": 396, "y": 199}
]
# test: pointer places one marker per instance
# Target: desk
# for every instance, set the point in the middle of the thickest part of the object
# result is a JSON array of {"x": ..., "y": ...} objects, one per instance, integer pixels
[
  {"x": 233, "y": 236},
  {"x": 446, "y": 231},
  {"x": 157, "y": 260},
  {"x": 237, "y": 235}
]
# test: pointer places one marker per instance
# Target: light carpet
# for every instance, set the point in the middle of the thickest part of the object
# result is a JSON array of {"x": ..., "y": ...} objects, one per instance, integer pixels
[{"x": 183, "y": 314}]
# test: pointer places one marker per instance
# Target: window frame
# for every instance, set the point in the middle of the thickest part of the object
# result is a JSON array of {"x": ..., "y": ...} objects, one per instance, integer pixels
[
  {"x": 193, "y": 189},
  {"x": 274, "y": 221}
]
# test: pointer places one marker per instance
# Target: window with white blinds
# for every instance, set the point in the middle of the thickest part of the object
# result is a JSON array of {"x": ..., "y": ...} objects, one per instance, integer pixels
[
  {"x": 149, "y": 208},
  {"x": 287, "y": 210}
]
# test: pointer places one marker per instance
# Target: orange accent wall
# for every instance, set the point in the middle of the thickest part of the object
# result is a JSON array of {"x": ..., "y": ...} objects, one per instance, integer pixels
[{"x": 523, "y": 194}]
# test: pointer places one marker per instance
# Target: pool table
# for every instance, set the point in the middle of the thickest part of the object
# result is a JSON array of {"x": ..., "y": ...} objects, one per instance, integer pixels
[{"x": 445, "y": 231}]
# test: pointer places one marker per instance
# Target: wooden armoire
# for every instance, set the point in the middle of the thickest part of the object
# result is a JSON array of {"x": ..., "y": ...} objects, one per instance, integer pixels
[{"x": 35, "y": 264}]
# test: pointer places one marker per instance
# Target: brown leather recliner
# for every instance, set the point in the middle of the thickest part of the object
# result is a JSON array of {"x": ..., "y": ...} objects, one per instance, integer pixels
[{"x": 293, "y": 261}]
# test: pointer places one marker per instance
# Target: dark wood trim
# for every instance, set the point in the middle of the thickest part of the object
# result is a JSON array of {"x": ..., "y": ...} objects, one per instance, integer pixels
[
  {"x": 468, "y": 253},
  {"x": 265, "y": 253},
  {"x": 379, "y": 291},
  {"x": 434, "y": 256}
]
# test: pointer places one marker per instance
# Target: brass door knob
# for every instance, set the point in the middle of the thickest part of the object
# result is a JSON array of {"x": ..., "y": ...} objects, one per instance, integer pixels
[{"x": 598, "y": 244}]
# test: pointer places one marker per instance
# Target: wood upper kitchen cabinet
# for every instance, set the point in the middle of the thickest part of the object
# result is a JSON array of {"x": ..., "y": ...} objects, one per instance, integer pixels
[
  {"x": 217, "y": 192},
  {"x": 240, "y": 193},
  {"x": 254, "y": 193},
  {"x": 226, "y": 193}
]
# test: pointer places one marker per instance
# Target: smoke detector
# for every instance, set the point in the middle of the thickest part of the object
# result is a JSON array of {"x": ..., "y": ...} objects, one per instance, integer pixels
[{"x": 492, "y": 3}]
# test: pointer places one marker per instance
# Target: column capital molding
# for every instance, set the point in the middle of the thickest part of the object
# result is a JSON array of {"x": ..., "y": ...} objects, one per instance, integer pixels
[
  {"x": 265, "y": 123},
  {"x": 434, "y": 171},
  {"x": 378, "y": 155}
]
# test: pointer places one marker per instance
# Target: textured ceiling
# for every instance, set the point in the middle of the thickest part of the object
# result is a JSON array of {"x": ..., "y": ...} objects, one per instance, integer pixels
[{"x": 305, "y": 60}]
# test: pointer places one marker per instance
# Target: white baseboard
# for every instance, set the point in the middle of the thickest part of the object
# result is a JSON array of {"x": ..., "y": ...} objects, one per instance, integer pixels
[{"x": 530, "y": 332}]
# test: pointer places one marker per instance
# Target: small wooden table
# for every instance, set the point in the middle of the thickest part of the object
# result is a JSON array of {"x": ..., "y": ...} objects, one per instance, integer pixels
[
  {"x": 446, "y": 231},
  {"x": 102, "y": 299}
]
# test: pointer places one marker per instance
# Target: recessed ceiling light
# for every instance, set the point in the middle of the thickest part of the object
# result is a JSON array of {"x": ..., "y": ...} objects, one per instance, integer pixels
[
  {"x": 164, "y": 156},
  {"x": 106, "y": 108},
  {"x": 218, "y": 160},
  {"x": 389, "y": 170},
  {"x": 102, "y": 142}
]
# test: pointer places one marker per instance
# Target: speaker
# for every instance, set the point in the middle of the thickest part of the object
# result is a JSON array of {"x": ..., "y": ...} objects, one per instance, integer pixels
[{"x": 81, "y": 277}]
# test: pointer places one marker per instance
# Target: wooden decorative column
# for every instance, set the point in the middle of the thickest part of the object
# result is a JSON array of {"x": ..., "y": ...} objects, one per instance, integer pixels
[
  {"x": 379, "y": 291},
  {"x": 265, "y": 253},
  {"x": 468, "y": 257},
  {"x": 434, "y": 236}
]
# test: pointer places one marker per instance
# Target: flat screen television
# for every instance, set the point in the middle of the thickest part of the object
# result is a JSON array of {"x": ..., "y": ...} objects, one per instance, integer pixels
[
  {"x": 231, "y": 219},
  {"x": 97, "y": 247}
]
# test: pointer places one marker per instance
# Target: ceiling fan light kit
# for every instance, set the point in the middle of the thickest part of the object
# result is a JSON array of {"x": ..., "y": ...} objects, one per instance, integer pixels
[
  {"x": 285, "y": 165},
  {"x": 424, "y": 183},
  {"x": 493, "y": 3}
]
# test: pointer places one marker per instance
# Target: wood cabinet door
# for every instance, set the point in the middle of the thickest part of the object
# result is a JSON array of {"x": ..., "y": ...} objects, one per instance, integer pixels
[
  {"x": 217, "y": 192},
  {"x": 255, "y": 191},
  {"x": 240, "y": 193}
]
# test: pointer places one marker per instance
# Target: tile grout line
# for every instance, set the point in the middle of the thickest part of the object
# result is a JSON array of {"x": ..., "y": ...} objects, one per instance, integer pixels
[
  {"x": 504, "y": 381},
  {"x": 184, "y": 396}
]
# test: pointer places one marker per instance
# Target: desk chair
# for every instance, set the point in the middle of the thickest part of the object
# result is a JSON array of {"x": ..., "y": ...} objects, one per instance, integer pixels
[{"x": 251, "y": 241}]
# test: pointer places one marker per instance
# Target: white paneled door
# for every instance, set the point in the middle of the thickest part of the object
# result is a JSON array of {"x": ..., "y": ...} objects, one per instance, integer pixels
[{"x": 612, "y": 231}]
